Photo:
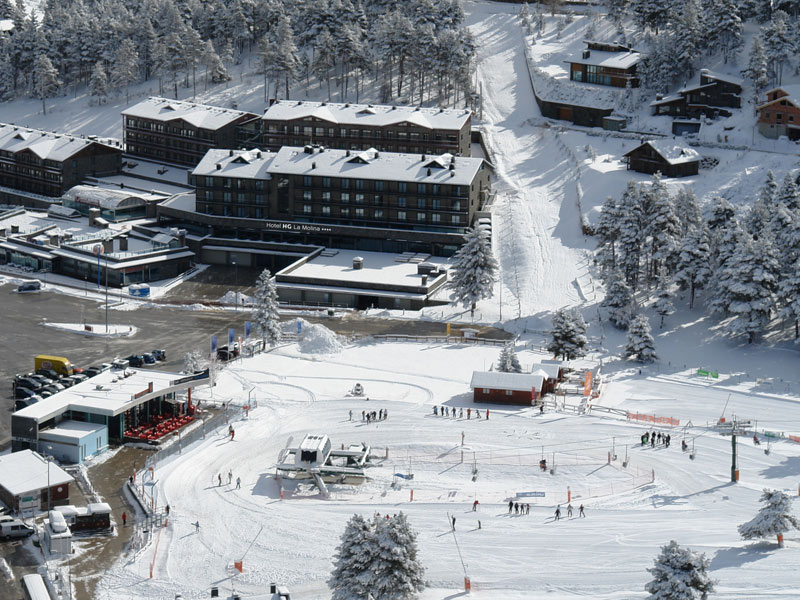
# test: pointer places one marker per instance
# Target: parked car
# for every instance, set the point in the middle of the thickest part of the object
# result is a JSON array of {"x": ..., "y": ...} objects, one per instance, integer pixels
[
  {"x": 225, "y": 354},
  {"x": 44, "y": 393},
  {"x": 50, "y": 389},
  {"x": 26, "y": 382},
  {"x": 78, "y": 377},
  {"x": 160, "y": 354},
  {"x": 20, "y": 404},
  {"x": 149, "y": 359},
  {"x": 22, "y": 393},
  {"x": 67, "y": 382},
  {"x": 29, "y": 286},
  {"x": 96, "y": 370},
  {"x": 135, "y": 360},
  {"x": 15, "y": 529},
  {"x": 49, "y": 373}
]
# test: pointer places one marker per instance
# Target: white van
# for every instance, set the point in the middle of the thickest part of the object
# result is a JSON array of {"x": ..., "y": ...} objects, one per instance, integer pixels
[
  {"x": 14, "y": 528},
  {"x": 34, "y": 588}
]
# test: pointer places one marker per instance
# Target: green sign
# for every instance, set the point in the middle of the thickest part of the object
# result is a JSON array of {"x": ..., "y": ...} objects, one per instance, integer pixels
[{"x": 702, "y": 372}]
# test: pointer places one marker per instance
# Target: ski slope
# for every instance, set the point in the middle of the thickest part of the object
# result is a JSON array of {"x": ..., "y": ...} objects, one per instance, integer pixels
[{"x": 631, "y": 511}]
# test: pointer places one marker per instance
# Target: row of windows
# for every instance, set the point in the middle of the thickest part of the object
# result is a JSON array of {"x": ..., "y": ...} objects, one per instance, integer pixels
[
  {"x": 233, "y": 182},
  {"x": 378, "y": 214},
  {"x": 378, "y": 200},
  {"x": 343, "y": 132},
  {"x": 434, "y": 189},
  {"x": 165, "y": 141},
  {"x": 162, "y": 128},
  {"x": 239, "y": 197}
]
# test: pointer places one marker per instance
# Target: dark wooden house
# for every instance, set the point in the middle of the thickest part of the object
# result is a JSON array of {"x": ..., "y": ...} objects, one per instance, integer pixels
[
  {"x": 507, "y": 388},
  {"x": 711, "y": 97},
  {"x": 670, "y": 157},
  {"x": 606, "y": 63}
]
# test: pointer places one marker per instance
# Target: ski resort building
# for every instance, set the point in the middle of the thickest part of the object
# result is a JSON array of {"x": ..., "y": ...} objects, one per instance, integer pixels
[
  {"x": 710, "y": 97},
  {"x": 37, "y": 166},
  {"x": 606, "y": 63},
  {"x": 672, "y": 158},
  {"x": 29, "y": 482},
  {"x": 507, "y": 388},
  {"x": 360, "y": 127},
  {"x": 369, "y": 200},
  {"x": 179, "y": 132},
  {"x": 114, "y": 406},
  {"x": 780, "y": 114}
]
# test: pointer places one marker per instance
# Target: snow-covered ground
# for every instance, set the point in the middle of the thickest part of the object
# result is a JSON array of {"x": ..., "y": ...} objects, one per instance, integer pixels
[
  {"x": 631, "y": 511},
  {"x": 94, "y": 329}
]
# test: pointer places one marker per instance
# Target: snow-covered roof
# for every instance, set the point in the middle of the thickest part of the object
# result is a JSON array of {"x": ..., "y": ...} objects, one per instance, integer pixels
[
  {"x": 672, "y": 151},
  {"x": 249, "y": 164},
  {"x": 108, "y": 199},
  {"x": 6, "y": 24},
  {"x": 695, "y": 87},
  {"x": 198, "y": 115},
  {"x": 27, "y": 471},
  {"x": 371, "y": 164},
  {"x": 549, "y": 369},
  {"x": 70, "y": 431},
  {"x": 374, "y": 115},
  {"x": 610, "y": 60},
  {"x": 45, "y": 145},
  {"x": 666, "y": 100},
  {"x": 722, "y": 77},
  {"x": 792, "y": 92},
  {"x": 498, "y": 380}
]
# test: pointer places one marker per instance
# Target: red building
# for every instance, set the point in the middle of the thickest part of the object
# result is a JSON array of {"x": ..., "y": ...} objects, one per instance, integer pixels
[
  {"x": 780, "y": 114},
  {"x": 507, "y": 388}
]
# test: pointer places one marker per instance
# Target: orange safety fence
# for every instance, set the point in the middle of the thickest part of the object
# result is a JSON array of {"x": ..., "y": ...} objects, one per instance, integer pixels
[
  {"x": 155, "y": 553},
  {"x": 794, "y": 438},
  {"x": 653, "y": 419}
]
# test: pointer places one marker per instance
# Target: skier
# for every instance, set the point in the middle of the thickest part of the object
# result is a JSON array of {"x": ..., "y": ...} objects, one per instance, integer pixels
[
  {"x": 580, "y": 511},
  {"x": 510, "y": 506},
  {"x": 645, "y": 438},
  {"x": 469, "y": 413},
  {"x": 460, "y": 413},
  {"x": 385, "y": 413},
  {"x": 435, "y": 411},
  {"x": 167, "y": 509},
  {"x": 479, "y": 523},
  {"x": 197, "y": 526},
  {"x": 668, "y": 440},
  {"x": 475, "y": 506},
  {"x": 124, "y": 520},
  {"x": 477, "y": 414},
  {"x": 659, "y": 437},
  {"x": 487, "y": 414},
  {"x": 684, "y": 445},
  {"x": 219, "y": 479},
  {"x": 569, "y": 510},
  {"x": 351, "y": 415},
  {"x": 454, "y": 523},
  {"x": 541, "y": 408},
  {"x": 230, "y": 477},
  {"x": 516, "y": 508},
  {"x": 558, "y": 512},
  {"x": 755, "y": 440},
  {"x": 527, "y": 509},
  {"x": 233, "y": 433},
  {"x": 653, "y": 440},
  {"x": 238, "y": 483}
]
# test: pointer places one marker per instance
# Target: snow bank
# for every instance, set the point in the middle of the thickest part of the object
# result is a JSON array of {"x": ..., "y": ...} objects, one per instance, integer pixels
[
  {"x": 232, "y": 297},
  {"x": 94, "y": 329},
  {"x": 314, "y": 338}
]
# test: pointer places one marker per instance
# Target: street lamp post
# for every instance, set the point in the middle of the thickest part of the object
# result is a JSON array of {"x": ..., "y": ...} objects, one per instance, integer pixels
[{"x": 48, "y": 458}]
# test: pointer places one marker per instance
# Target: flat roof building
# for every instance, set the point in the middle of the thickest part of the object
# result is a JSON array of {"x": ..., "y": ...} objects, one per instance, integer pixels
[
  {"x": 29, "y": 482},
  {"x": 179, "y": 132},
  {"x": 360, "y": 127}
]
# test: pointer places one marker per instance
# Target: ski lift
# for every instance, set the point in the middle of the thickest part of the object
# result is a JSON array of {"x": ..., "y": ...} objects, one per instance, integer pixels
[
  {"x": 553, "y": 465},
  {"x": 614, "y": 449},
  {"x": 766, "y": 450},
  {"x": 692, "y": 454},
  {"x": 625, "y": 462}
]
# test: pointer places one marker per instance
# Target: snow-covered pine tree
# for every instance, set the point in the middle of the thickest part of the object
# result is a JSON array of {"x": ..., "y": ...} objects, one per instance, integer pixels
[
  {"x": 125, "y": 69},
  {"x": 663, "y": 228},
  {"x": 474, "y": 269},
  {"x": 569, "y": 334},
  {"x": 757, "y": 67},
  {"x": 324, "y": 59},
  {"x": 650, "y": 14},
  {"x": 616, "y": 10},
  {"x": 687, "y": 210},
  {"x": 664, "y": 297},
  {"x": 286, "y": 53},
  {"x": 788, "y": 195},
  {"x": 524, "y": 13},
  {"x": 693, "y": 271},
  {"x": 631, "y": 234},
  {"x": 789, "y": 294},
  {"x": 679, "y": 574},
  {"x": 725, "y": 243},
  {"x": 353, "y": 576},
  {"x": 779, "y": 45},
  {"x": 508, "y": 361},
  {"x": 688, "y": 35},
  {"x": 397, "y": 571},
  {"x": 640, "y": 345},
  {"x": 724, "y": 27},
  {"x": 607, "y": 233},
  {"x": 98, "y": 82},
  {"x": 265, "y": 310},
  {"x": 750, "y": 280},
  {"x": 722, "y": 214},
  {"x": 193, "y": 362},
  {"x": 215, "y": 70},
  {"x": 618, "y": 300},
  {"x": 774, "y": 518},
  {"x": 45, "y": 79}
]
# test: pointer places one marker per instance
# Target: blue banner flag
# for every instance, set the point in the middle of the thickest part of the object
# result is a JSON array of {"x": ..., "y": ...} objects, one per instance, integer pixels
[
  {"x": 231, "y": 335},
  {"x": 247, "y": 325},
  {"x": 213, "y": 344}
]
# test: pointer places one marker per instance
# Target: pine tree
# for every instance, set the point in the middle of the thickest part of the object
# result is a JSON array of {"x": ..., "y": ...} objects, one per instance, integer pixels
[
  {"x": 640, "y": 340},
  {"x": 508, "y": 361},
  {"x": 650, "y": 14},
  {"x": 569, "y": 334},
  {"x": 688, "y": 35},
  {"x": 778, "y": 43},
  {"x": 45, "y": 77},
  {"x": 679, "y": 574},
  {"x": 98, "y": 82},
  {"x": 757, "y": 67},
  {"x": 524, "y": 13},
  {"x": 763, "y": 209},
  {"x": 618, "y": 300},
  {"x": 265, "y": 310},
  {"x": 788, "y": 195},
  {"x": 607, "y": 232},
  {"x": 631, "y": 234},
  {"x": 474, "y": 269},
  {"x": 324, "y": 59},
  {"x": 126, "y": 66},
  {"x": 726, "y": 32},
  {"x": 664, "y": 296},
  {"x": 750, "y": 279},
  {"x": 215, "y": 70},
  {"x": 693, "y": 271},
  {"x": 286, "y": 56},
  {"x": 352, "y": 576},
  {"x": 687, "y": 210},
  {"x": 663, "y": 228},
  {"x": 789, "y": 293},
  {"x": 193, "y": 362},
  {"x": 396, "y": 567},
  {"x": 774, "y": 518}
]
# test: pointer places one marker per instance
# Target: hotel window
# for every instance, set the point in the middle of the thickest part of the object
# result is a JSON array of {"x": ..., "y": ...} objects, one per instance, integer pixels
[
  {"x": 436, "y": 218},
  {"x": 259, "y": 184},
  {"x": 436, "y": 204},
  {"x": 306, "y": 209},
  {"x": 259, "y": 198},
  {"x": 296, "y": 129},
  {"x": 307, "y": 180},
  {"x": 345, "y": 184},
  {"x": 330, "y": 132},
  {"x": 307, "y": 131},
  {"x": 326, "y": 182},
  {"x": 326, "y": 196},
  {"x": 240, "y": 197},
  {"x": 487, "y": 391},
  {"x": 360, "y": 198},
  {"x": 354, "y": 133},
  {"x": 377, "y": 199},
  {"x": 326, "y": 211},
  {"x": 402, "y": 186},
  {"x": 401, "y": 201},
  {"x": 378, "y": 214},
  {"x": 226, "y": 196},
  {"x": 345, "y": 197},
  {"x": 421, "y": 188},
  {"x": 359, "y": 184},
  {"x": 359, "y": 213},
  {"x": 240, "y": 211},
  {"x": 455, "y": 220},
  {"x": 456, "y": 205},
  {"x": 436, "y": 189},
  {"x": 307, "y": 195},
  {"x": 421, "y": 217},
  {"x": 420, "y": 202},
  {"x": 209, "y": 182},
  {"x": 401, "y": 215},
  {"x": 345, "y": 212},
  {"x": 319, "y": 131},
  {"x": 508, "y": 392}
]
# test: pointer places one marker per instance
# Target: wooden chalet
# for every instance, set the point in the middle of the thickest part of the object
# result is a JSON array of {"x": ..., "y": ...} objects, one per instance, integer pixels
[
  {"x": 670, "y": 157},
  {"x": 522, "y": 389},
  {"x": 780, "y": 114},
  {"x": 711, "y": 97},
  {"x": 606, "y": 63},
  {"x": 553, "y": 373}
]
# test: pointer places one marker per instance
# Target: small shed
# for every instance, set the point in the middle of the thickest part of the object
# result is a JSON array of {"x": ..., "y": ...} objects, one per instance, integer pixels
[
  {"x": 553, "y": 373},
  {"x": 614, "y": 123},
  {"x": 506, "y": 388},
  {"x": 26, "y": 479},
  {"x": 57, "y": 533},
  {"x": 671, "y": 157},
  {"x": 74, "y": 441}
]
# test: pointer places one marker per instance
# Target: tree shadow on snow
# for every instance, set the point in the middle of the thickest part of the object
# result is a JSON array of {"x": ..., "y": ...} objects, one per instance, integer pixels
[
  {"x": 736, "y": 557},
  {"x": 789, "y": 467}
]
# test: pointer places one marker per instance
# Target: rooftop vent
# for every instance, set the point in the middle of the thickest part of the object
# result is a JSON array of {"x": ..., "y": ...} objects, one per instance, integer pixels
[
  {"x": 347, "y": 105},
  {"x": 377, "y": 154},
  {"x": 230, "y": 152},
  {"x": 219, "y": 167},
  {"x": 358, "y": 262},
  {"x": 429, "y": 172},
  {"x": 313, "y": 165},
  {"x": 308, "y": 149},
  {"x": 452, "y": 173},
  {"x": 347, "y": 153},
  {"x": 258, "y": 154},
  {"x": 586, "y": 54},
  {"x": 299, "y": 103},
  {"x": 423, "y": 157},
  {"x": 452, "y": 167},
  {"x": 394, "y": 107}
]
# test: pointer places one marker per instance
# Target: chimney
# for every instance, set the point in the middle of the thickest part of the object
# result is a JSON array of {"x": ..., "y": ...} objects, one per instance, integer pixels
[
  {"x": 219, "y": 167},
  {"x": 452, "y": 167},
  {"x": 230, "y": 152},
  {"x": 423, "y": 157},
  {"x": 358, "y": 263},
  {"x": 14, "y": 229},
  {"x": 108, "y": 245},
  {"x": 94, "y": 214},
  {"x": 54, "y": 239},
  {"x": 347, "y": 153},
  {"x": 123, "y": 243},
  {"x": 273, "y": 588},
  {"x": 3, "y": 232},
  {"x": 258, "y": 154},
  {"x": 424, "y": 280},
  {"x": 181, "y": 238},
  {"x": 586, "y": 54},
  {"x": 313, "y": 165},
  {"x": 429, "y": 172}
]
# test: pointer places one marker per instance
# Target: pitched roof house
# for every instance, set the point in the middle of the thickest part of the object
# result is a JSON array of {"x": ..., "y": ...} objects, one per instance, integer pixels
[
  {"x": 670, "y": 157},
  {"x": 780, "y": 113}
]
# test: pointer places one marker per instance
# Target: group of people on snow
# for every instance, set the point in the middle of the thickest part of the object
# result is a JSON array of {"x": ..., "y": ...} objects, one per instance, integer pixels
[
  {"x": 519, "y": 508},
  {"x": 654, "y": 438},
  {"x": 230, "y": 479},
  {"x": 557, "y": 516},
  {"x": 372, "y": 416},
  {"x": 447, "y": 411}
]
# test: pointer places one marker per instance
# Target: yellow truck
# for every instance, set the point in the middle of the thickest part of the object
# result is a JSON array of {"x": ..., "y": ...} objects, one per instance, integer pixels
[{"x": 59, "y": 364}]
